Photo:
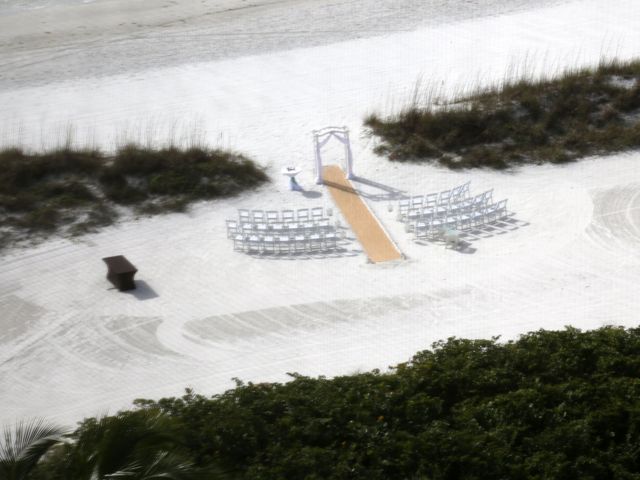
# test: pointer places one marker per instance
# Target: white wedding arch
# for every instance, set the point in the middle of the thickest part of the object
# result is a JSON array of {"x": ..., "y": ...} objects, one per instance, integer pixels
[{"x": 321, "y": 138}]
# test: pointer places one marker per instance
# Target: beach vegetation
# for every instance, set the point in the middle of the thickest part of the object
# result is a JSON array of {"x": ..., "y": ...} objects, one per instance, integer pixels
[
  {"x": 590, "y": 111},
  {"x": 24, "y": 445},
  {"x": 75, "y": 191},
  {"x": 552, "y": 404},
  {"x": 134, "y": 445}
]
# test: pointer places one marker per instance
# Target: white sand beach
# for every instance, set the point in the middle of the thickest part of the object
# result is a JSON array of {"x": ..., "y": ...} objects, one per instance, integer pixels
[
  {"x": 44, "y": 41},
  {"x": 71, "y": 346}
]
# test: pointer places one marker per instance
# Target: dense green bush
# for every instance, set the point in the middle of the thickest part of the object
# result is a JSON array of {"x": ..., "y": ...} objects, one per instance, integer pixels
[
  {"x": 561, "y": 405},
  {"x": 78, "y": 189},
  {"x": 584, "y": 112}
]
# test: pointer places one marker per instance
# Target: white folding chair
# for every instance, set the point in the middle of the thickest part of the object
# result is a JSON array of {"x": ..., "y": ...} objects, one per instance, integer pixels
[
  {"x": 309, "y": 228},
  {"x": 413, "y": 215},
  {"x": 435, "y": 226},
  {"x": 431, "y": 200},
  {"x": 428, "y": 213},
  {"x": 323, "y": 225},
  {"x": 330, "y": 240},
  {"x": 496, "y": 211},
  {"x": 441, "y": 209},
  {"x": 244, "y": 215},
  {"x": 300, "y": 243},
  {"x": 239, "y": 242},
  {"x": 284, "y": 244},
  {"x": 421, "y": 229},
  {"x": 479, "y": 216},
  {"x": 466, "y": 203},
  {"x": 258, "y": 216},
  {"x": 403, "y": 208},
  {"x": 490, "y": 213},
  {"x": 272, "y": 216},
  {"x": 317, "y": 213},
  {"x": 487, "y": 197},
  {"x": 292, "y": 228},
  {"x": 288, "y": 216},
  {"x": 478, "y": 202},
  {"x": 254, "y": 244},
  {"x": 465, "y": 221},
  {"x": 464, "y": 191},
  {"x": 404, "y": 203},
  {"x": 417, "y": 201},
  {"x": 302, "y": 215},
  {"x": 314, "y": 242},
  {"x": 232, "y": 228},
  {"x": 455, "y": 192},
  {"x": 269, "y": 244},
  {"x": 444, "y": 197},
  {"x": 501, "y": 209}
]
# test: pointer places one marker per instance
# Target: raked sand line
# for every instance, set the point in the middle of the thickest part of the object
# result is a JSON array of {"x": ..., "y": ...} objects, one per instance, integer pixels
[{"x": 374, "y": 239}]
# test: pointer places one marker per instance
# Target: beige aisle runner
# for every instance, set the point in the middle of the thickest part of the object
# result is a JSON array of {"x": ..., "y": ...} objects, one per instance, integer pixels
[{"x": 374, "y": 240}]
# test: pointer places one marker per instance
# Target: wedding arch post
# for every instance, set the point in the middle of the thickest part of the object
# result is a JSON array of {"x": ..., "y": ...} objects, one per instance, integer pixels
[{"x": 321, "y": 138}]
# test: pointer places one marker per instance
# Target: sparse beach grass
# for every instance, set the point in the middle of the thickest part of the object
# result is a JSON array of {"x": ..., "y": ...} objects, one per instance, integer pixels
[
  {"x": 581, "y": 112},
  {"x": 73, "y": 191}
]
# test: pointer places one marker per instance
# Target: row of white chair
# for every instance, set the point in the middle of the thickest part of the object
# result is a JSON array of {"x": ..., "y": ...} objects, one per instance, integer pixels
[
  {"x": 466, "y": 206},
  {"x": 441, "y": 206},
  {"x": 285, "y": 216},
  {"x": 445, "y": 197},
  {"x": 290, "y": 244},
  {"x": 320, "y": 226},
  {"x": 429, "y": 227}
]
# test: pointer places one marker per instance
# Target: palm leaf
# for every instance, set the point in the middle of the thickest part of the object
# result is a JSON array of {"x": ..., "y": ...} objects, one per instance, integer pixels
[
  {"x": 163, "y": 466},
  {"x": 22, "y": 446},
  {"x": 130, "y": 436}
]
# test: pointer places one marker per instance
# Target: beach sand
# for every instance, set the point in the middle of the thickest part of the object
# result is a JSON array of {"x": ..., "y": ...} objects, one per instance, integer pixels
[{"x": 108, "y": 37}]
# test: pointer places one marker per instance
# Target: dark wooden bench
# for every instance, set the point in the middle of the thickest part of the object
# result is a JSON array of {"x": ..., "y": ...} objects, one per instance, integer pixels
[{"x": 120, "y": 272}]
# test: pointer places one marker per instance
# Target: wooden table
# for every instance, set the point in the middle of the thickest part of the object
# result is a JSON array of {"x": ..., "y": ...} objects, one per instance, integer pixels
[{"x": 120, "y": 272}]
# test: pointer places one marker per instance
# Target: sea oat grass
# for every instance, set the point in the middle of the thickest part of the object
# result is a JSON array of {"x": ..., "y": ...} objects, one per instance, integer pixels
[
  {"x": 75, "y": 191},
  {"x": 583, "y": 112}
]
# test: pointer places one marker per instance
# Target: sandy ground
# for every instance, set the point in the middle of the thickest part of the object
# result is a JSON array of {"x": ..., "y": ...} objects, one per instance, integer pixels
[
  {"x": 42, "y": 41},
  {"x": 71, "y": 346}
]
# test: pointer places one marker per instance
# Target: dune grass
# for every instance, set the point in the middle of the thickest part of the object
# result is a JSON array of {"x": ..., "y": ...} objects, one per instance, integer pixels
[
  {"x": 74, "y": 191},
  {"x": 582, "y": 112}
]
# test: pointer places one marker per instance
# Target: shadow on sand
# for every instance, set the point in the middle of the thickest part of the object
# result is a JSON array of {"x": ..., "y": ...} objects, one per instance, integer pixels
[
  {"x": 310, "y": 194},
  {"x": 465, "y": 244},
  {"x": 389, "y": 193},
  {"x": 142, "y": 291}
]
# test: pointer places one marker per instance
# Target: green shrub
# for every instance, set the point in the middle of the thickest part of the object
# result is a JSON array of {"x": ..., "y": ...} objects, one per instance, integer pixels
[
  {"x": 549, "y": 405},
  {"x": 579, "y": 113},
  {"x": 45, "y": 218},
  {"x": 49, "y": 191}
]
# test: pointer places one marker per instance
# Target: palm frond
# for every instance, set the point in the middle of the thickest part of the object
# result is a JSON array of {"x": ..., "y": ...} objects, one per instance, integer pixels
[
  {"x": 130, "y": 436},
  {"x": 23, "y": 445},
  {"x": 163, "y": 466}
]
